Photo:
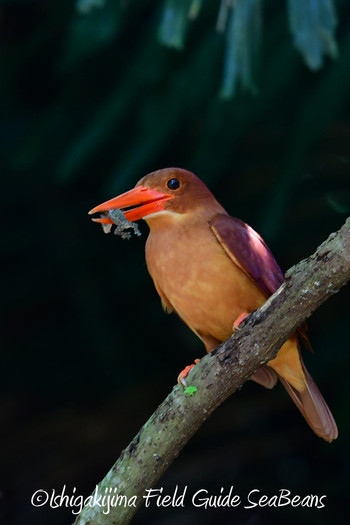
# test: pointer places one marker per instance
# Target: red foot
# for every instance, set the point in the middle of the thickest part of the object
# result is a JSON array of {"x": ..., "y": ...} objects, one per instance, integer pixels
[
  {"x": 239, "y": 321},
  {"x": 183, "y": 374}
]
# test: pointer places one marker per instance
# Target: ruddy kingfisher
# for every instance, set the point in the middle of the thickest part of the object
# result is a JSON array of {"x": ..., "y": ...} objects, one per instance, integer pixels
[{"x": 211, "y": 268}]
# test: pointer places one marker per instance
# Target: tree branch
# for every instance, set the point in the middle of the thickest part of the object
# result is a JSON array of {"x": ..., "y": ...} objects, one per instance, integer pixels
[{"x": 218, "y": 375}]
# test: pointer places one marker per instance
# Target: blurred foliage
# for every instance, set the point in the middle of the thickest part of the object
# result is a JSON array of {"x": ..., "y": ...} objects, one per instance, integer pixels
[
  {"x": 90, "y": 103},
  {"x": 313, "y": 24},
  {"x": 243, "y": 43}
]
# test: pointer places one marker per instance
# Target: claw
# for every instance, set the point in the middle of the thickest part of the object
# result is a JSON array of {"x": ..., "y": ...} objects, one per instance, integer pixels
[
  {"x": 184, "y": 373},
  {"x": 239, "y": 321}
]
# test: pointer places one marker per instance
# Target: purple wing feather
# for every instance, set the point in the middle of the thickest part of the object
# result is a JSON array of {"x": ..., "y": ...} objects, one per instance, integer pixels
[{"x": 245, "y": 247}]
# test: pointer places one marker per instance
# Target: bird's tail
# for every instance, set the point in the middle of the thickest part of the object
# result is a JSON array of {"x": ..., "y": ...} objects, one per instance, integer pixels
[{"x": 292, "y": 373}]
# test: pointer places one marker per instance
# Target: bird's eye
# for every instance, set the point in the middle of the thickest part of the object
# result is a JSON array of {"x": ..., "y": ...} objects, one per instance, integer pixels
[{"x": 173, "y": 184}]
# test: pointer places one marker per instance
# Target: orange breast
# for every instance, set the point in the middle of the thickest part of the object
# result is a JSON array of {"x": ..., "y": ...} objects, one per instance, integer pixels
[{"x": 205, "y": 288}]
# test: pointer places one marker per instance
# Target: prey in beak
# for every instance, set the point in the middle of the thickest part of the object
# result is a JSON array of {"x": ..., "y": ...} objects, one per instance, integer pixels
[
  {"x": 123, "y": 227},
  {"x": 131, "y": 206}
]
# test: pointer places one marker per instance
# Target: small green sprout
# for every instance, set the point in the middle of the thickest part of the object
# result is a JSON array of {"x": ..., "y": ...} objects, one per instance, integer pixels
[{"x": 190, "y": 390}]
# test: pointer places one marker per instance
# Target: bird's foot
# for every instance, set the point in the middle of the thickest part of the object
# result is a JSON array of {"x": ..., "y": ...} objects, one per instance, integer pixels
[
  {"x": 239, "y": 321},
  {"x": 183, "y": 374}
]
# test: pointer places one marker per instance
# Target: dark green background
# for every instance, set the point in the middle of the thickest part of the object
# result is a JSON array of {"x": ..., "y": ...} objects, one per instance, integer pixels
[{"x": 89, "y": 105}]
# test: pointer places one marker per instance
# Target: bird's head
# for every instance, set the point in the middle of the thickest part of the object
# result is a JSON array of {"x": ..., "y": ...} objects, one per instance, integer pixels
[{"x": 173, "y": 190}]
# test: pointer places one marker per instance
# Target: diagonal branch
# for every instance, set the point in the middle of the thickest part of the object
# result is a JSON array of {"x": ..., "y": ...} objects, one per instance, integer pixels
[{"x": 217, "y": 376}]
